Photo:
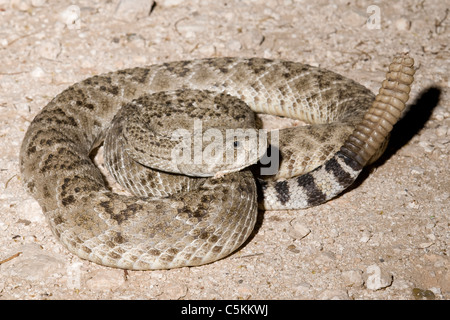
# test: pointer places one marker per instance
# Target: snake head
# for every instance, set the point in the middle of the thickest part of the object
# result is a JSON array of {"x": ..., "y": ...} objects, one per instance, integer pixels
[{"x": 216, "y": 152}]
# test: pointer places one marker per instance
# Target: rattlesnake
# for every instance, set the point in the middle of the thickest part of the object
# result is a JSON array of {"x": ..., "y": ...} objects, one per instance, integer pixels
[{"x": 197, "y": 220}]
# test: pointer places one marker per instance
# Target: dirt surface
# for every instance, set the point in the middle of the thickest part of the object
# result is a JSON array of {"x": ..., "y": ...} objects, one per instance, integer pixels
[{"x": 386, "y": 238}]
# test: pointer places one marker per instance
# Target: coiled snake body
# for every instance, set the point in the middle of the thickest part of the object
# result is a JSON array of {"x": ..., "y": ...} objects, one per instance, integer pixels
[{"x": 174, "y": 220}]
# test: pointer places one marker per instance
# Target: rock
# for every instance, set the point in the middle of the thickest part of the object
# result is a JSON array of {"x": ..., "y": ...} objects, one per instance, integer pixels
[
  {"x": 49, "y": 49},
  {"x": 427, "y": 146},
  {"x": 365, "y": 237},
  {"x": 421, "y": 294},
  {"x": 297, "y": 230},
  {"x": 324, "y": 258},
  {"x": 192, "y": 27},
  {"x": 207, "y": 50},
  {"x": 37, "y": 72},
  {"x": 71, "y": 17},
  {"x": 401, "y": 284},
  {"x": 131, "y": 10},
  {"x": 234, "y": 45},
  {"x": 302, "y": 289},
  {"x": 403, "y": 24},
  {"x": 30, "y": 210},
  {"x": 442, "y": 131},
  {"x": 33, "y": 264},
  {"x": 353, "y": 278},
  {"x": 252, "y": 38},
  {"x": 293, "y": 248},
  {"x": 441, "y": 113},
  {"x": 417, "y": 170},
  {"x": 376, "y": 278},
  {"x": 424, "y": 245},
  {"x": 170, "y": 3}
]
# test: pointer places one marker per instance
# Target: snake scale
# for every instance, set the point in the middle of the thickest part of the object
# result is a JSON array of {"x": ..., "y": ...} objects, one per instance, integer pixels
[{"x": 173, "y": 220}]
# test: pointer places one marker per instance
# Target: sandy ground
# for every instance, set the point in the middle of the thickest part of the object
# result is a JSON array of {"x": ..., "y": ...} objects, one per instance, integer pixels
[{"x": 386, "y": 238}]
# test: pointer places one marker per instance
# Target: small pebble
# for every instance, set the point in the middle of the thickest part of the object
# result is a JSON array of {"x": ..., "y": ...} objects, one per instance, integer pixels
[
  {"x": 353, "y": 278},
  {"x": 420, "y": 294},
  {"x": 413, "y": 205},
  {"x": 427, "y": 146},
  {"x": 252, "y": 39},
  {"x": 37, "y": 72},
  {"x": 325, "y": 257},
  {"x": 169, "y": 3},
  {"x": 401, "y": 284},
  {"x": 365, "y": 237},
  {"x": 440, "y": 113},
  {"x": 417, "y": 170},
  {"x": 403, "y": 24},
  {"x": 207, "y": 50},
  {"x": 234, "y": 45},
  {"x": 424, "y": 245},
  {"x": 436, "y": 291},
  {"x": 3, "y": 42},
  {"x": 442, "y": 131},
  {"x": 131, "y": 10},
  {"x": 297, "y": 230},
  {"x": 135, "y": 40},
  {"x": 33, "y": 264},
  {"x": 71, "y": 17},
  {"x": 49, "y": 49},
  {"x": 30, "y": 210}
]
